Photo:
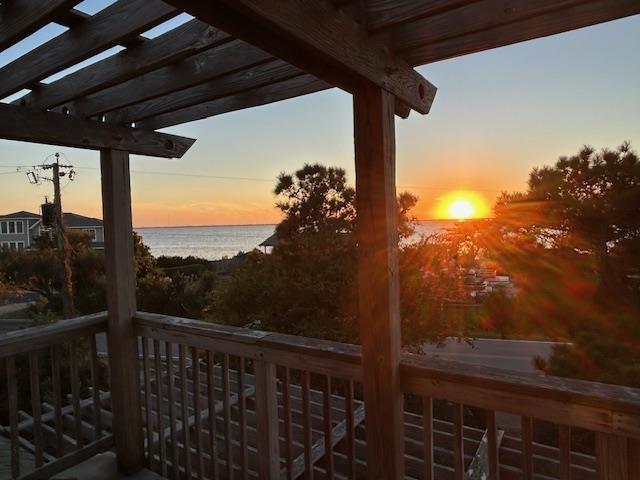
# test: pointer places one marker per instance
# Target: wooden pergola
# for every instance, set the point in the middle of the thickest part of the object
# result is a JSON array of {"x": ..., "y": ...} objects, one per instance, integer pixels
[{"x": 237, "y": 54}]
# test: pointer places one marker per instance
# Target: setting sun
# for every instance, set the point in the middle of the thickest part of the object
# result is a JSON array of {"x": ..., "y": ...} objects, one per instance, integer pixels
[
  {"x": 461, "y": 205},
  {"x": 461, "y": 209}
]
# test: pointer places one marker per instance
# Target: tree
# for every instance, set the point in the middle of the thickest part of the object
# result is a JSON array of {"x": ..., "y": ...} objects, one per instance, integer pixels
[
  {"x": 307, "y": 286},
  {"x": 572, "y": 245}
]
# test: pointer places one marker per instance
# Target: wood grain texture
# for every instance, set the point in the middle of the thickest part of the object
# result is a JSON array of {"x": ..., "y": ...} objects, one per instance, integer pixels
[
  {"x": 239, "y": 81},
  {"x": 173, "y": 46},
  {"x": 29, "y": 125},
  {"x": 197, "y": 69},
  {"x": 427, "y": 437},
  {"x": 20, "y": 18},
  {"x": 34, "y": 338},
  {"x": 378, "y": 288},
  {"x": 294, "y": 87},
  {"x": 580, "y": 14},
  {"x": 320, "y": 39},
  {"x": 116, "y": 23},
  {"x": 266, "y": 404},
  {"x": 121, "y": 302}
]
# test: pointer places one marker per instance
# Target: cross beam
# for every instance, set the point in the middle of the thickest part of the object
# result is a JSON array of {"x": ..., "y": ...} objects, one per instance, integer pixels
[
  {"x": 29, "y": 125},
  {"x": 318, "y": 38},
  {"x": 116, "y": 23}
]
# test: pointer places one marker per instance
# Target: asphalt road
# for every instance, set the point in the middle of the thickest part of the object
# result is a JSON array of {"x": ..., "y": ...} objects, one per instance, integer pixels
[{"x": 514, "y": 355}]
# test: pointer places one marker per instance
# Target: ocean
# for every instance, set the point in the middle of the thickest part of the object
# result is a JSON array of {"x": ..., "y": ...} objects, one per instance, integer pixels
[{"x": 219, "y": 241}]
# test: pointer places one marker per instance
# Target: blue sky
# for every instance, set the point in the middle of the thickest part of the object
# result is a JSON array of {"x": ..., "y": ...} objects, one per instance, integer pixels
[{"x": 497, "y": 114}]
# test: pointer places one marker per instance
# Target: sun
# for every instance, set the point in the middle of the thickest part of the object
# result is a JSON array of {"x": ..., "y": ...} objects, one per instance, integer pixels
[
  {"x": 461, "y": 205},
  {"x": 461, "y": 209}
]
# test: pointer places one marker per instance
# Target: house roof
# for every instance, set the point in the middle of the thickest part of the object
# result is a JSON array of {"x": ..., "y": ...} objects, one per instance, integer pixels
[
  {"x": 271, "y": 241},
  {"x": 74, "y": 220},
  {"x": 20, "y": 214}
]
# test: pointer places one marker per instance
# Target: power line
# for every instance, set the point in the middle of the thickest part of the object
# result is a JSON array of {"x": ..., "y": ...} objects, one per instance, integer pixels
[{"x": 256, "y": 179}]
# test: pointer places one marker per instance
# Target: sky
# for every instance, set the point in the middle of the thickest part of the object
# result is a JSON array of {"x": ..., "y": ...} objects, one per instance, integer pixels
[{"x": 496, "y": 115}]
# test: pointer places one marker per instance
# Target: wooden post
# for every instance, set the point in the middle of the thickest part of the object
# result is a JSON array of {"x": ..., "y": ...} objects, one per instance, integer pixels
[
  {"x": 121, "y": 301},
  {"x": 267, "y": 420},
  {"x": 378, "y": 290},
  {"x": 617, "y": 457}
]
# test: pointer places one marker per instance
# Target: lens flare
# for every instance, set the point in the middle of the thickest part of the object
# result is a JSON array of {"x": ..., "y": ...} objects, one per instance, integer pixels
[
  {"x": 462, "y": 205},
  {"x": 461, "y": 209}
]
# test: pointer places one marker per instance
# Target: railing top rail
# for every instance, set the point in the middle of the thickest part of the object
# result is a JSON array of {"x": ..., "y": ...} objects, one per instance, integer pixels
[
  {"x": 320, "y": 356},
  {"x": 35, "y": 338}
]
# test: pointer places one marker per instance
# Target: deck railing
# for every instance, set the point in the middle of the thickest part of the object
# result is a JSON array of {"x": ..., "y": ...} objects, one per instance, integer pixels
[
  {"x": 55, "y": 398},
  {"x": 225, "y": 402}
]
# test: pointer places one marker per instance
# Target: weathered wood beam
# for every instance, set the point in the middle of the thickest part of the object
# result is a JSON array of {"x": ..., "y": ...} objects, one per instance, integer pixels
[
  {"x": 174, "y": 45},
  {"x": 121, "y": 302},
  {"x": 384, "y": 14},
  {"x": 485, "y": 25},
  {"x": 320, "y": 39},
  {"x": 28, "y": 125},
  {"x": 71, "y": 18},
  {"x": 212, "y": 63},
  {"x": 294, "y": 87},
  {"x": 263, "y": 74},
  {"x": 116, "y": 23},
  {"x": 378, "y": 283},
  {"x": 20, "y": 18}
]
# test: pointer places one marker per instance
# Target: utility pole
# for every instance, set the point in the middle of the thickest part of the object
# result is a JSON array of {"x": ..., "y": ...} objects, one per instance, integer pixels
[{"x": 62, "y": 243}]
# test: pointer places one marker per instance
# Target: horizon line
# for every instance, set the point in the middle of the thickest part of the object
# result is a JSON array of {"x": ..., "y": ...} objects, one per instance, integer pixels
[{"x": 268, "y": 224}]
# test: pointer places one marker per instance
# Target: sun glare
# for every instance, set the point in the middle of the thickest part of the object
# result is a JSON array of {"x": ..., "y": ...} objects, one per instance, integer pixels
[
  {"x": 462, "y": 205},
  {"x": 461, "y": 209}
]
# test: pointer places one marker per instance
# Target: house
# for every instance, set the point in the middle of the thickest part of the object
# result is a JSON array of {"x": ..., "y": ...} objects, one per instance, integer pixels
[{"x": 18, "y": 230}]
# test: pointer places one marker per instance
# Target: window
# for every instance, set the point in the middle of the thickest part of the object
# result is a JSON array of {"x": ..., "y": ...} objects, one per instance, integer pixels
[
  {"x": 13, "y": 245},
  {"x": 92, "y": 233},
  {"x": 12, "y": 227},
  {"x": 19, "y": 227},
  {"x": 3, "y": 226}
]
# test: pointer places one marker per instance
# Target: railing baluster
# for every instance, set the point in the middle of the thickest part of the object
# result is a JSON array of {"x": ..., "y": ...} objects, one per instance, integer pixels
[
  {"x": 349, "y": 414},
  {"x": 458, "y": 441},
  {"x": 97, "y": 407},
  {"x": 57, "y": 398},
  {"x": 242, "y": 420},
  {"x": 157, "y": 356},
  {"x": 75, "y": 393},
  {"x": 267, "y": 421},
  {"x": 195, "y": 362},
  {"x": 175, "y": 457},
  {"x": 12, "y": 400},
  {"x": 307, "y": 432},
  {"x": 328, "y": 430},
  {"x": 427, "y": 426},
  {"x": 185, "y": 411},
  {"x": 213, "y": 441},
  {"x": 226, "y": 394},
  {"x": 492, "y": 450},
  {"x": 564, "y": 442},
  {"x": 527, "y": 448},
  {"x": 36, "y": 407},
  {"x": 147, "y": 400},
  {"x": 286, "y": 406}
]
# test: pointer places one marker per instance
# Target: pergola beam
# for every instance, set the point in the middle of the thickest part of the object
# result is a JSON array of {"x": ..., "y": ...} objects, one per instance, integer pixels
[
  {"x": 20, "y": 18},
  {"x": 261, "y": 75},
  {"x": 115, "y": 24},
  {"x": 174, "y": 45},
  {"x": 25, "y": 124},
  {"x": 294, "y": 87},
  {"x": 320, "y": 39},
  {"x": 191, "y": 71},
  {"x": 432, "y": 41}
]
